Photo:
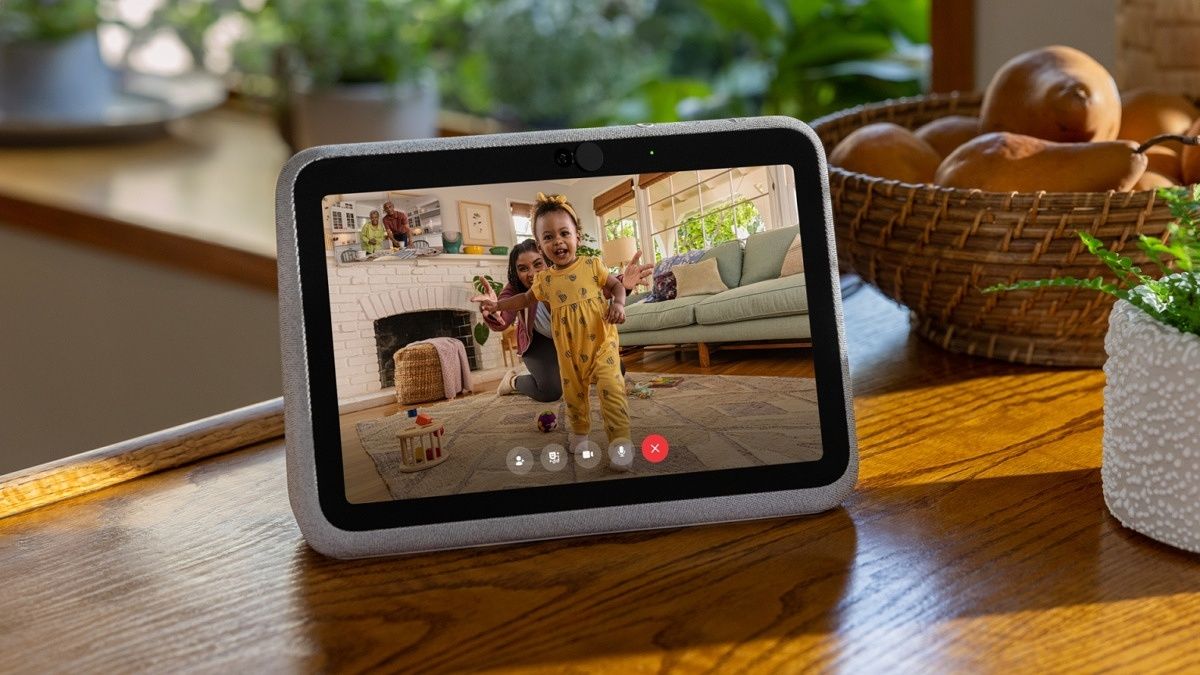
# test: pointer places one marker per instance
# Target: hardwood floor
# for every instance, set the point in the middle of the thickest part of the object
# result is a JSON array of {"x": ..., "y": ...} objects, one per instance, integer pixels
[
  {"x": 791, "y": 362},
  {"x": 363, "y": 483}
]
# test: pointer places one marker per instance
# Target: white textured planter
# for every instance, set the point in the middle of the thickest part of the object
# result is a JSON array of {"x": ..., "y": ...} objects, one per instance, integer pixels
[
  {"x": 352, "y": 113},
  {"x": 1151, "y": 465}
]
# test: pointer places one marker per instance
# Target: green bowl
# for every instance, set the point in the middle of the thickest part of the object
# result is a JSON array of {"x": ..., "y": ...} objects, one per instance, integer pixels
[{"x": 499, "y": 250}]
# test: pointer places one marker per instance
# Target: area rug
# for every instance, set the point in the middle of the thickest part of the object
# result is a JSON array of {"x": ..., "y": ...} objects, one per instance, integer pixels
[{"x": 710, "y": 421}]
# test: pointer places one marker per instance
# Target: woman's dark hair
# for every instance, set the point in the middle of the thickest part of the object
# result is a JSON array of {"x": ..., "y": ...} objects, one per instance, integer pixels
[{"x": 526, "y": 246}]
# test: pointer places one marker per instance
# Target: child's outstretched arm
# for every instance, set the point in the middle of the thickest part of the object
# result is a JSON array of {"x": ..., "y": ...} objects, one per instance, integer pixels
[
  {"x": 511, "y": 303},
  {"x": 616, "y": 309}
]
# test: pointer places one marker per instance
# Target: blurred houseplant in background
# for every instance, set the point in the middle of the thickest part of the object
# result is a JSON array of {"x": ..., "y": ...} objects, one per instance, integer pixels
[
  {"x": 50, "y": 65},
  {"x": 350, "y": 70},
  {"x": 550, "y": 63},
  {"x": 570, "y": 63}
]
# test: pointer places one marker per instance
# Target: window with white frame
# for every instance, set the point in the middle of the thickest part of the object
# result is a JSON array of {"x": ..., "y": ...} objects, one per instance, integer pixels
[
  {"x": 692, "y": 210},
  {"x": 521, "y": 213},
  {"x": 617, "y": 210}
]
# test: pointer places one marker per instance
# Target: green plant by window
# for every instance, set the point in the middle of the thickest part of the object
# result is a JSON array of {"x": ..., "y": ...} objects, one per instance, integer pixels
[
  {"x": 718, "y": 226},
  {"x": 45, "y": 20},
  {"x": 1174, "y": 298},
  {"x": 585, "y": 247},
  {"x": 616, "y": 228}
]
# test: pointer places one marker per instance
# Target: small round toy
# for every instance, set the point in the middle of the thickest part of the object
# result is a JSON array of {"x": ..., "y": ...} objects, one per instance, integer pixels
[{"x": 546, "y": 421}]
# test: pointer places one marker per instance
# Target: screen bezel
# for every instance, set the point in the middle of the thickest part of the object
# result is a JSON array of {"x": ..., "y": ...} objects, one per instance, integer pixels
[{"x": 535, "y": 162}]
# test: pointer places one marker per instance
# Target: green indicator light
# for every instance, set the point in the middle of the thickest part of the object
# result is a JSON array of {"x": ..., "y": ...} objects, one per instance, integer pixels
[{"x": 652, "y": 152}]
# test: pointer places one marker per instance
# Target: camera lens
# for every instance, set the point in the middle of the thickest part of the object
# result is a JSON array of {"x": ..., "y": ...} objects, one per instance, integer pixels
[
  {"x": 564, "y": 157},
  {"x": 589, "y": 156}
]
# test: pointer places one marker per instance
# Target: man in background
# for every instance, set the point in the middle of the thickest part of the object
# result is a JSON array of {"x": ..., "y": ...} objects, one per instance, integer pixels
[{"x": 396, "y": 223}]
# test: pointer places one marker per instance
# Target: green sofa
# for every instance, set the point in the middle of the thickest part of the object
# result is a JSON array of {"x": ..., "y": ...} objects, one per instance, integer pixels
[{"x": 758, "y": 306}]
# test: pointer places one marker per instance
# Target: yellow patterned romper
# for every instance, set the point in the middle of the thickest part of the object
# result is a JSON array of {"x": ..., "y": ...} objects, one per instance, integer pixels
[{"x": 587, "y": 346}]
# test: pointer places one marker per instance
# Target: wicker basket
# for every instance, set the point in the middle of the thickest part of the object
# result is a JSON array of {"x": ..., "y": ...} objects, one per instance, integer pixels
[
  {"x": 418, "y": 374},
  {"x": 932, "y": 249}
]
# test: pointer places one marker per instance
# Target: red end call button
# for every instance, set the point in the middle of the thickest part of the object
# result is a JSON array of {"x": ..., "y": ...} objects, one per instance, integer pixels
[{"x": 654, "y": 448}]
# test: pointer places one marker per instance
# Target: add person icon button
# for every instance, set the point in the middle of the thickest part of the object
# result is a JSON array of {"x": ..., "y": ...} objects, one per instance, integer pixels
[
  {"x": 520, "y": 460},
  {"x": 655, "y": 448}
]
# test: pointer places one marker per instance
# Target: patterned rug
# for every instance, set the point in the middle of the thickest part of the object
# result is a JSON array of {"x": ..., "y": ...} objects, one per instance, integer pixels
[{"x": 710, "y": 421}]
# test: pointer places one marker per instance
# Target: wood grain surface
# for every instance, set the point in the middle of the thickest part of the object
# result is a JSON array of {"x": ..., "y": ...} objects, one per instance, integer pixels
[
  {"x": 977, "y": 541},
  {"x": 90, "y": 471}
]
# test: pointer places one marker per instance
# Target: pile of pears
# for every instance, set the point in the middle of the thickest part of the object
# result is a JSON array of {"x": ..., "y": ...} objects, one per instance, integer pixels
[{"x": 1052, "y": 119}]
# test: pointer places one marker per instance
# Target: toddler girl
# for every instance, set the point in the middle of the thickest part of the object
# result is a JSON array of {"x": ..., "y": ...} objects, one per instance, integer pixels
[{"x": 585, "y": 334}]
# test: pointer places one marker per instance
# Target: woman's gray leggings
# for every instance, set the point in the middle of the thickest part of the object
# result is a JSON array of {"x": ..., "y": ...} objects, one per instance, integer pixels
[{"x": 543, "y": 383}]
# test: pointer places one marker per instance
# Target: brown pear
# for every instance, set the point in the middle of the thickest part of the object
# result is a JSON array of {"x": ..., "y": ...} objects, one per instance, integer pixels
[
  {"x": 947, "y": 133},
  {"x": 1189, "y": 159},
  {"x": 1146, "y": 113},
  {"x": 1057, "y": 93},
  {"x": 889, "y": 151},
  {"x": 1152, "y": 180},
  {"x": 1004, "y": 162},
  {"x": 1161, "y": 159}
]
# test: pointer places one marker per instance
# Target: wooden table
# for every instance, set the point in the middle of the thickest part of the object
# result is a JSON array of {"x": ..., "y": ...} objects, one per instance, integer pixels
[{"x": 978, "y": 540}]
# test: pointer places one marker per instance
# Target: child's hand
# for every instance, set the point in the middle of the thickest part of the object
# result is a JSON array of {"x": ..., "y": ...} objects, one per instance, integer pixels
[{"x": 616, "y": 313}]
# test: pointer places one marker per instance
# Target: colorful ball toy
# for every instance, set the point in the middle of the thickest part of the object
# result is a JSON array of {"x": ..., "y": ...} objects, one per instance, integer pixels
[{"x": 546, "y": 421}]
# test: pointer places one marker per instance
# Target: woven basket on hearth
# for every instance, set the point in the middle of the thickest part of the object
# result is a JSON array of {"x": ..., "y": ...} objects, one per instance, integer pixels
[{"x": 418, "y": 374}]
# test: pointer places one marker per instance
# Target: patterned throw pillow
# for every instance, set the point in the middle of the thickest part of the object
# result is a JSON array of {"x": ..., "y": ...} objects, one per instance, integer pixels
[
  {"x": 664, "y": 288},
  {"x": 664, "y": 282}
]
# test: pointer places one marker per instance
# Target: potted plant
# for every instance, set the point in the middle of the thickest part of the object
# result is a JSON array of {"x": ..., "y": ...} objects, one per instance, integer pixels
[
  {"x": 349, "y": 70},
  {"x": 481, "y": 329},
  {"x": 50, "y": 65},
  {"x": 1151, "y": 456}
]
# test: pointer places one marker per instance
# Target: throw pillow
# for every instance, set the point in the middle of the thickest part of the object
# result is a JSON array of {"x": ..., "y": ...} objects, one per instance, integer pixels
[
  {"x": 664, "y": 288},
  {"x": 663, "y": 270},
  {"x": 702, "y": 278},
  {"x": 793, "y": 260}
]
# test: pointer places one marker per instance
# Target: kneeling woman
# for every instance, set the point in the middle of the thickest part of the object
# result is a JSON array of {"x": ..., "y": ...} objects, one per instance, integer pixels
[{"x": 534, "y": 341}]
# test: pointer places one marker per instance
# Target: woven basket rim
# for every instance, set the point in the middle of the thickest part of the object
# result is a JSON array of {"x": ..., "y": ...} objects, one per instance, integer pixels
[{"x": 954, "y": 98}]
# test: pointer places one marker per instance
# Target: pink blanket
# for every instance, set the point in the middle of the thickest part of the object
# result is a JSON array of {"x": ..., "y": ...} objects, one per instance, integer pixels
[{"x": 456, "y": 368}]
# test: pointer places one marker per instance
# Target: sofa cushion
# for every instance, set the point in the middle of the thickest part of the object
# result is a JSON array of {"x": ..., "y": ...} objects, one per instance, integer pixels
[
  {"x": 764, "y": 254},
  {"x": 729, "y": 261},
  {"x": 774, "y": 297},
  {"x": 659, "y": 315},
  {"x": 702, "y": 278}
]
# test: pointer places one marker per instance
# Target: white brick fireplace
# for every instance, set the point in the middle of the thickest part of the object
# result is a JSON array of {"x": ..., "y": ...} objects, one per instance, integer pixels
[{"x": 362, "y": 292}]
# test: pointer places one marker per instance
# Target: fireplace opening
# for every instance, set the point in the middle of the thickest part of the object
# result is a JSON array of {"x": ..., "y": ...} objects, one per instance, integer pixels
[{"x": 394, "y": 332}]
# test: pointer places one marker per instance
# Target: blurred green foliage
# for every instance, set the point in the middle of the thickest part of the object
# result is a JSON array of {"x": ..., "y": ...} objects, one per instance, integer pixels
[
  {"x": 348, "y": 41},
  {"x": 582, "y": 62},
  {"x": 45, "y": 20},
  {"x": 553, "y": 63}
]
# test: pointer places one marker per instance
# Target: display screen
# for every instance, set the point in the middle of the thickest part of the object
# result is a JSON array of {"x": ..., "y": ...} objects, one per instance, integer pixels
[{"x": 505, "y": 336}]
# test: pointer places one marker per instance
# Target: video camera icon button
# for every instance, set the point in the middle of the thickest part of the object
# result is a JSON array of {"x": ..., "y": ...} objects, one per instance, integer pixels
[
  {"x": 655, "y": 448},
  {"x": 588, "y": 455}
]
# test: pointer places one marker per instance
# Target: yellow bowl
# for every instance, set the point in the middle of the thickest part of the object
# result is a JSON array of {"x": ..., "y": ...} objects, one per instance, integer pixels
[{"x": 474, "y": 250}]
